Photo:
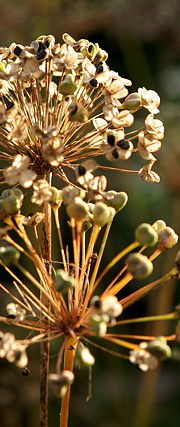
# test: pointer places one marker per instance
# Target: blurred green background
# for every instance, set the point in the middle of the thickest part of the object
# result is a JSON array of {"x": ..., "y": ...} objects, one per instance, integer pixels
[{"x": 142, "y": 39}]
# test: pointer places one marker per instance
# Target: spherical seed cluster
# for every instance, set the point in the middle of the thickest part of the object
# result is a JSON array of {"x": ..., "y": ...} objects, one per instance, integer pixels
[{"x": 51, "y": 92}]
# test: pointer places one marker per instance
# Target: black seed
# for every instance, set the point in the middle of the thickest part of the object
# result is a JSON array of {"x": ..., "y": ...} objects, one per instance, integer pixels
[
  {"x": 93, "y": 82},
  {"x": 41, "y": 47},
  {"x": 10, "y": 105},
  {"x": 111, "y": 140},
  {"x": 46, "y": 44},
  {"x": 41, "y": 55},
  {"x": 12, "y": 316},
  {"x": 115, "y": 154},
  {"x": 98, "y": 303},
  {"x": 123, "y": 143},
  {"x": 99, "y": 69},
  {"x": 25, "y": 372},
  {"x": 98, "y": 63},
  {"x": 17, "y": 51},
  {"x": 18, "y": 355},
  {"x": 90, "y": 48},
  {"x": 81, "y": 170},
  {"x": 30, "y": 214}
]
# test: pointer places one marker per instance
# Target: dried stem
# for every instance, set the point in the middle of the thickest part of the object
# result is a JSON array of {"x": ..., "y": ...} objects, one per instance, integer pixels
[{"x": 44, "y": 363}]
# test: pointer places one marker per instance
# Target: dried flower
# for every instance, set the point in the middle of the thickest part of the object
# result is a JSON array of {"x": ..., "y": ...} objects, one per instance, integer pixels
[{"x": 18, "y": 172}]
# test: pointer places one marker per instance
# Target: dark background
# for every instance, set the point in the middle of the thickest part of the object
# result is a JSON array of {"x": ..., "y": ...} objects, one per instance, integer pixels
[{"x": 142, "y": 39}]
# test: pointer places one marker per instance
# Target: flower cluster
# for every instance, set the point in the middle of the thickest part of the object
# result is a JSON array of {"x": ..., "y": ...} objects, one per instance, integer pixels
[{"x": 51, "y": 93}]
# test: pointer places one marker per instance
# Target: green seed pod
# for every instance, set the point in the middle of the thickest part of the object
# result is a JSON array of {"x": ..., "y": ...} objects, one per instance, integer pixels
[
  {"x": 90, "y": 51},
  {"x": 56, "y": 198},
  {"x": 118, "y": 200},
  {"x": 64, "y": 283},
  {"x": 12, "y": 201},
  {"x": 77, "y": 209},
  {"x": 84, "y": 357},
  {"x": 146, "y": 235},
  {"x": 9, "y": 255},
  {"x": 77, "y": 113},
  {"x": 167, "y": 238},
  {"x": 100, "y": 328},
  {"x": 139, "y": 266},
  {"x": 159, "y": 348},
  {"x": 102, "y": 214},
  {"x": 68, "y": 87},
  {"x": 159, "y": 225},
  {"x": 132, "y": 102}
]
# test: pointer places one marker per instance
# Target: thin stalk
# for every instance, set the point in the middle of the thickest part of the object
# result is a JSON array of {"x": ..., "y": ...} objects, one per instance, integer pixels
[
  {"x": 168, "y": 316},
  {"x": 135, "y": 296},
  {"x": 56, "y": 216},
  {"x": 70, "y": 348},
  {"x": 44, "y": 352},
  {"x": 117, "y": 258}
]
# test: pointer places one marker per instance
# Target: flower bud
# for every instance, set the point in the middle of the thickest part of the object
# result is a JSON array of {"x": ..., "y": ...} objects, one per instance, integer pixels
[
  {"x": 84, "y": 357},
  {"x": 117, "y": 200},
  {"x": 139, "y": 266},
  {"x": 167, "y": 238},
  {"x": 146, "y": 235},
  {"x": 9, "y": 255},
  {"x": 159, "y": 348},
  {"x": 132, "y": 102},
  {"x": 12, "y": 201},
  {"x": 159, "y": 225},
  {"x": 68, "y": 87},
  {"x": 64, "y": 283},
  {"x": 77, "y": 209},
  {"x": 102, "y": 214}
]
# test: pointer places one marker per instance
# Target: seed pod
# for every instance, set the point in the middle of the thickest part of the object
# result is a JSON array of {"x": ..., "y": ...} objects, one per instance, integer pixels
[
  {"x": 68, "y": 87},
  {"x": 77, "y": 209},
  {"x": 159, "y": 348},
  {"x": 132, "y": 102},
  {"x": 84, "y": 357},
  {"x": 12, "y": 201},
  {"x": 77, "y": 113},
  {"x": 146, "y": 235},
  {"x": 159, "y": 225},
  {"x": 167, "y": 238},
  {"x": 61, "y": 382},
  {"x": 9, "y": 255},
  {"x": 139, "y": 266},
  {"x": 64, "y": 283},
  {"x": 102, "y": 213},
  {"x": 56, "y": 199},
  {"x": 117, "y": 200}
]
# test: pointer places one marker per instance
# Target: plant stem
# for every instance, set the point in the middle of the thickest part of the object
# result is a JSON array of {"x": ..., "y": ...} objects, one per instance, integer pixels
[
  {"x": 44, "y": 362},
  {"x": 70, "y": 349}
]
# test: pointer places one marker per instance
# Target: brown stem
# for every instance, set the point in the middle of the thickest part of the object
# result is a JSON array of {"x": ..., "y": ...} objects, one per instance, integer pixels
[
  {"x": 70, "y": 349},
  {"x": 44, "y": 362}
]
